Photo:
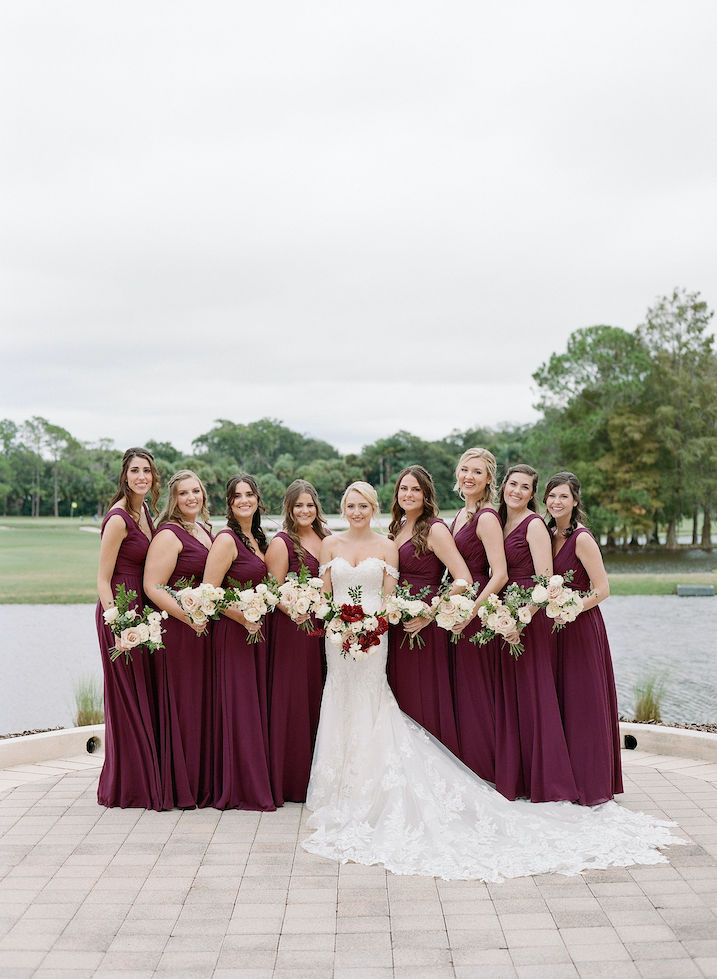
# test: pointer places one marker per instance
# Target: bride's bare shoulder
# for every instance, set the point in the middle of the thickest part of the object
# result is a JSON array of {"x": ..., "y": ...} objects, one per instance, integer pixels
[{"x": 389, "y": 552}]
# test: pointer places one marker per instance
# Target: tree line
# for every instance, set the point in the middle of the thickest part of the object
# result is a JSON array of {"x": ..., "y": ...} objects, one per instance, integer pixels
[{"x": 633, "y": 414}]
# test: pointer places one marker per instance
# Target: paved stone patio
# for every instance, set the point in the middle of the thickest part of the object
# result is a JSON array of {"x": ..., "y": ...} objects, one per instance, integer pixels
[{"x": 127, "y": 893}]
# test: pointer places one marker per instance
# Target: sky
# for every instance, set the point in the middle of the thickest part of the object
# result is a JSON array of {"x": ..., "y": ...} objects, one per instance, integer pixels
[{"x": 353, "y": 218}]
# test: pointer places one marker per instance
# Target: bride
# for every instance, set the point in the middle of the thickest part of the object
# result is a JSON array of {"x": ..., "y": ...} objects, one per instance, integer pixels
[{"x": 383, "y": 791}]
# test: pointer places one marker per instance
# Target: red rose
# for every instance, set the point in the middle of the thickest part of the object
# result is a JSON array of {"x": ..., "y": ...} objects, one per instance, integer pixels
[{"x": 351, "y": 613}]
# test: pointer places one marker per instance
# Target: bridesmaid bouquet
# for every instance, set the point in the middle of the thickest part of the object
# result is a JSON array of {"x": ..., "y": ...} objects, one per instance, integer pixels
[
  {"x": 448, "y": 610},
  {"x": 253, "y": 601},
  {"x": 500, "y": 618},
  {"x": 401, "y": 606},
  {"x": 301, "y": 594},
  {"x": 201, "y": 603},
  {"x": 354, "y": 631},
  {"x": 135, "y": 629},
  {"x": 558, "y": 601}
]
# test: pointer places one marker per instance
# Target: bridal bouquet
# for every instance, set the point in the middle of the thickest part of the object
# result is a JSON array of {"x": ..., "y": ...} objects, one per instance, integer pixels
[
  {"x": 401, "y": 606},
  {"x": 253, "y": 601},
  {"x": 201, "y": 603},
  {"x": 301, "y": 594},
  {"x": 354, "y": 631},
  {"x": 503, "y": 617},
  {"x": 557, "y": 600},
  {"x": 135, "y": 629},
  {"x": 449, "y": 610}
]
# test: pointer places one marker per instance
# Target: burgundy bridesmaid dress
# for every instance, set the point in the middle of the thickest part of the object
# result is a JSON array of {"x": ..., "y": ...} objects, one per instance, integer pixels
[
  {"x": 421, "y": 677},
  {"x": 475, "y": 667},
  {"x": 531, "y": 756},
  {"x": 241, "y": 730},
  {"x": 183, "y": 673},
  {"x": 296, "y": 679},
  {"x": 130, "y": 774},
  {"x": 586, "y": 691}
]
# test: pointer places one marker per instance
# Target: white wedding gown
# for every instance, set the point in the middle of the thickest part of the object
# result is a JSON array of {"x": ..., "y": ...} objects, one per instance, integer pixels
[{"x": 384, "y": 791}]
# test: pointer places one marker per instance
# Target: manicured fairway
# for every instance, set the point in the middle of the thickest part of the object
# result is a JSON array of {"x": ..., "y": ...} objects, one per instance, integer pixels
[{"x": 48, "y": 561}]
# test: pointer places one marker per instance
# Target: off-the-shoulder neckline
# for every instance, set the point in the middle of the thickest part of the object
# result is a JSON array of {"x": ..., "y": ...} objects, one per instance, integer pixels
[{"x": 389, "y": 567}]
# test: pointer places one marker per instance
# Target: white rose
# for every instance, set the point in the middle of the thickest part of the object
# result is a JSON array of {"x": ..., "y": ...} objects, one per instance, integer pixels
[
  {"x": 110, "y": 614},
  {"x": 556, "y": 580},
  {"x": 492, "y": 621},
  {"x": 131, "y": 614},
  {"x": 302, "y": 605},
  {"x": 289, "y": 593},
  {"x": 553, "y": 610},
  {"x": 394, "y": 616},
  {"x": 143, "y": 631},
  {"x": 316, "y": 583},
  {"x": 460, "y": 583},
  {"x": 189, "y": 600},
  {"x": 322, "y": 611},
  {"x": 416, "y": 607},
  {"x": 505, "y": 624},
  {"x": 356, "y": 627},
  {"x": 271, "y": 599},
  {"x": 444, "y": 621},
  {"x": 207, "y": 606},
  {"x": 524, "y": 614},
  {"x": 483, "y": 613},
  {"x": 261, "y": 588},
  {"x": 539, "y": 594},
  {"x": 336, "y": 639},
  {"x": 556, "y": 592}
]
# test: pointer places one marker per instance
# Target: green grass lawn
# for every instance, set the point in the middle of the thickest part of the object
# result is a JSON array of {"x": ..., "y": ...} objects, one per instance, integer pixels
[{"x": 48, "y": 561}]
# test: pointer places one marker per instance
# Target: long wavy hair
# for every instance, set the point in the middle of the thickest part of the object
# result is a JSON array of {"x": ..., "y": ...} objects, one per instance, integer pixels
[
  {"x": 532, "y": 502},
  {"x": 578, "y": 514},
  {"x": 123, "y": 490},
  {"x": 232, "y": 522},
  {"x": 488, "y": 497},
  {"x": 430, "y": 508},
  {"x": 171, "y": 512},
  {"x": 292, "y": 494}
]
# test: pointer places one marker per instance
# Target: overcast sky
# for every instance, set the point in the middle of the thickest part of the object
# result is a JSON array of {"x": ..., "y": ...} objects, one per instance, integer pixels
[{"x": 352, "y": 217}]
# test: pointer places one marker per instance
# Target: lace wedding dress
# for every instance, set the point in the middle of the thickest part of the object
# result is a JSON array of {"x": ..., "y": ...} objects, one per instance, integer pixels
[{"x": 383, "y": 791}]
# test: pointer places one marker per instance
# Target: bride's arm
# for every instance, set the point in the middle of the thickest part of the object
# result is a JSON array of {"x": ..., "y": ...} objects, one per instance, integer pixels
[
  {"x": 325, "y": 557},
  {"x": 390, "y": 573}
]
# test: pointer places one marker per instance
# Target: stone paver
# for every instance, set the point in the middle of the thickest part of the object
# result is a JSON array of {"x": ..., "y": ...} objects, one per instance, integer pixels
[{"x": 128, "y": 894}]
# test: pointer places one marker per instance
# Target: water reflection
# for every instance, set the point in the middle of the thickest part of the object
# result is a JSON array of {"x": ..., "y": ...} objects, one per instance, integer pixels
[{"x": 47, "y": 647}]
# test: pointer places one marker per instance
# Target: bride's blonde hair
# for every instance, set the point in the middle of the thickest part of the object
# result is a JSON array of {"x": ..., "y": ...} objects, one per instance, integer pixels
[{"x": 366, "y": 490}]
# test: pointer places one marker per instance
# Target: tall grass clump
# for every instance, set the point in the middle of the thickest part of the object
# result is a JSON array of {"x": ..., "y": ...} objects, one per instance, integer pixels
[
  {"x": 648, "y": 695},
  {"x": 88, "y": 701}
]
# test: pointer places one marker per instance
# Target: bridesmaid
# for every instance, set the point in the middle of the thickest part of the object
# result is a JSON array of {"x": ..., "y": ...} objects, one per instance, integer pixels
[
  {"x": 182, "y": 670},
  {"x": 531, "y": 757},
  {"x": 130, "y": 774},
  {"x": 586, "y": 685},
  {"x": 241, "y": 730},
  {"x": 296, "y": 672},
  {"x": 478, "y": 535},
  {"x": 421, "y": 678}
]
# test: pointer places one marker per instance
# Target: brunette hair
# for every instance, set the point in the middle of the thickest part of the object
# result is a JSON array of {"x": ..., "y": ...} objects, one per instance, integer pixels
[
  {"x": 573, "y": 483},
  {"x": 292, "y": 494},
  {"x": 532, "y": 502},
  {"x": 366, "y": 490},
  {"x": 489, "y": 491},
  {"x": 233, "y": 523},
  {"x": 430, "y": 508},
  {"x": 123, "y": 490},
  {"x": 171, "y": 512}
]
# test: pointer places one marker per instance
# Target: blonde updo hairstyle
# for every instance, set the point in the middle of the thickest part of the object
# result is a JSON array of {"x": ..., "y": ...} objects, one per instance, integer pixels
[
  {"x": 171, "y": 512},
  {"x": 365, "y": 490},
  {"x": 489, "y": 495}
]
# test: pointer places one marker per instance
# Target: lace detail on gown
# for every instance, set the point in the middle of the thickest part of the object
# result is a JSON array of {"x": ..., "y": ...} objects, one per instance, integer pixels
[
  {"x": 383, "y": 791},
  {"x": 388, "y": 568}
]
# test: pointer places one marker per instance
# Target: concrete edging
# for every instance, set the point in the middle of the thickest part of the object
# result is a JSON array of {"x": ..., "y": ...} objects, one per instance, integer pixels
[
  {"x": 677, "y": 741},
  {"x": 32, "y": 748}
]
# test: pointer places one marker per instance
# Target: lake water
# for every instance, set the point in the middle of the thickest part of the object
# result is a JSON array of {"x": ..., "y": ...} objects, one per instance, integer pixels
[{"x": 47, "y": 648}]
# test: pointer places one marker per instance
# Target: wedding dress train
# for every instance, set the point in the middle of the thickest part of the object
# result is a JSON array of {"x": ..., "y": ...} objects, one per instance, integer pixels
[{"x": 384, "y": 791}]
